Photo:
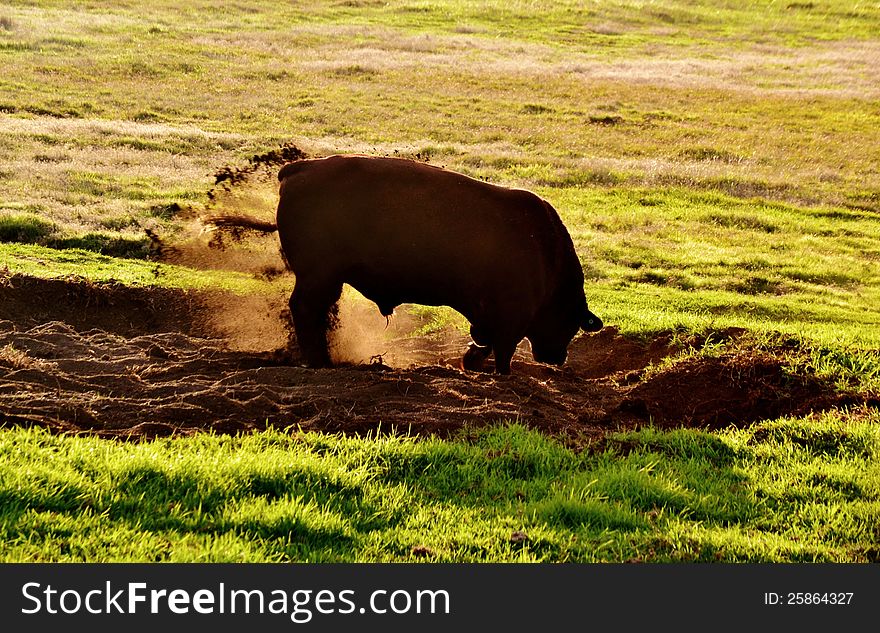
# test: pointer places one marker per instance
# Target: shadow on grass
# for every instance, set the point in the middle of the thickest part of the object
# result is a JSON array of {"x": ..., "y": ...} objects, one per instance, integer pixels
[
  {"x": 26, "y": 228},
  {"x": 621, "y": 487},
  {"x": 298, "y": 504}
]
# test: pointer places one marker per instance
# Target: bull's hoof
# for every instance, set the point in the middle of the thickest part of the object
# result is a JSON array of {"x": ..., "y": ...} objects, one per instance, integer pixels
[
  {"x": 285, "y": 356},
  {"x": 474, "y": 358},
  {"x": 321, "y": 364}
]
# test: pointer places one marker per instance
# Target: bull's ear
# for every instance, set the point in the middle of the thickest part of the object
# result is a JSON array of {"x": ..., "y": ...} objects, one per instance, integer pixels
[{"x": 590, "y": 322}]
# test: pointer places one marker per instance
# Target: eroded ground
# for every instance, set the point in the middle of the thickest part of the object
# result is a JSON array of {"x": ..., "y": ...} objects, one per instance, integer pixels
[{"x": 128, "y": 362}]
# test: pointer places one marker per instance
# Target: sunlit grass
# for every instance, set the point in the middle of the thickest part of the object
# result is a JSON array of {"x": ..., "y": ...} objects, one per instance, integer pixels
[
  {"x": 789, "y": 490},
  {"x": 681, "y": 260},
  {"x": 48, "y": 262},
  {"x": 132, "y": 111}
]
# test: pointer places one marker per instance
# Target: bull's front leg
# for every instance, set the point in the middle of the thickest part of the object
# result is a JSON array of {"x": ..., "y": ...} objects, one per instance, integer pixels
[
  {"x": 475, "y": 357},
  {"x": 477, "y": 352},
  {"x": 503, "y": 355}
]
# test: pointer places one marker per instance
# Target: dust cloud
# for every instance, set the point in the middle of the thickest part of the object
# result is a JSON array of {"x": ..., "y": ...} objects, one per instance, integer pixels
[
  {"x": 363, "y": 335},
  {"x": 253, "y": 322},
  {"x": 200, "y": 245}
]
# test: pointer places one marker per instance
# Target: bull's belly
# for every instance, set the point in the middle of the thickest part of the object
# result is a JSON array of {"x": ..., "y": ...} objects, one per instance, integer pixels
[{"x": 387, "y": 294}]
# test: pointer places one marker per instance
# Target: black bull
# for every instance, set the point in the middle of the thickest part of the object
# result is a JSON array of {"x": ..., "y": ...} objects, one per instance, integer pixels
[{"x": 399, "y": 231}]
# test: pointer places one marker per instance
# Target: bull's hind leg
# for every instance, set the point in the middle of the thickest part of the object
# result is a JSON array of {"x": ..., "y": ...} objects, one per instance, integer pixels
[{"x": 312, "y": 308}]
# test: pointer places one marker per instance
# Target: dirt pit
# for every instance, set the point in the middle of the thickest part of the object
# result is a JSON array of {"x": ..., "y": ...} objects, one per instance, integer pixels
[{"x": 117, "y": 361}]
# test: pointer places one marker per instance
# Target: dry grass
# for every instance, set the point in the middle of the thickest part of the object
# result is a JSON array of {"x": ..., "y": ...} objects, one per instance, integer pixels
[
  {"x": 838, "y": 69},
  {"x": 88, "y": 174},
  {"x": 132, "y": 112}
]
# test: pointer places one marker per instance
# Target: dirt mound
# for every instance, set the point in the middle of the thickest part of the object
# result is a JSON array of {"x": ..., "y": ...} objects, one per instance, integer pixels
[
  {"x": 729, "y": 390},
  {"x": 126, "y": 362},
  {"x": 606, "y": 353}
]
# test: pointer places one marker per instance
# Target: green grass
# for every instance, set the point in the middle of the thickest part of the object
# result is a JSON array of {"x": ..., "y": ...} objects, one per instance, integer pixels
[
  {"x": 782, "y": 491},
  {"x": 40, "y": 261},
  {"x": 679, "y": 259},
  {"x": 26, "y": 228}
]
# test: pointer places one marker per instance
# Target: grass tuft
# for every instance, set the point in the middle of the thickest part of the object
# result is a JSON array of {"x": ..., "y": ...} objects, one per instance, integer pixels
[{"x": 14, "y": 359}]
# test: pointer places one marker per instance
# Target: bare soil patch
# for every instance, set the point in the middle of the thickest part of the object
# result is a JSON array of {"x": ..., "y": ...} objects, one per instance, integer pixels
[{"x": 118, "y": 361}]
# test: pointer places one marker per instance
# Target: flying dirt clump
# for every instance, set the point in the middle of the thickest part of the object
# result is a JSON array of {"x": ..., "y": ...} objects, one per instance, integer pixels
[
  {"x": 223, "y": 196},
  {"x": 230, "y": 176},
  {"x": 250, "y": 189}
]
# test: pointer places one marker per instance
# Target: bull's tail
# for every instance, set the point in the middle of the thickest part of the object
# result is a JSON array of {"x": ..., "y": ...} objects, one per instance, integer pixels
[{"x": 240, "y": 222}]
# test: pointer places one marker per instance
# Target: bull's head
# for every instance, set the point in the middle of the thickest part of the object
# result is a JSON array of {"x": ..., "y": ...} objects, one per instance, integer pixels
[{"x": 553, "y": 330}]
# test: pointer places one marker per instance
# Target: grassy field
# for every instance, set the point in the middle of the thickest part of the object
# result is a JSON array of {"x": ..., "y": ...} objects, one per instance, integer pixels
[
  {"x": 717, "y": 164},
  {"x": 780, "y": 491}
]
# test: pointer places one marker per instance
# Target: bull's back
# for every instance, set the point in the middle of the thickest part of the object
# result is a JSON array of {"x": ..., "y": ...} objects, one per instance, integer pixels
[{"x": 425, "y": 233}]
